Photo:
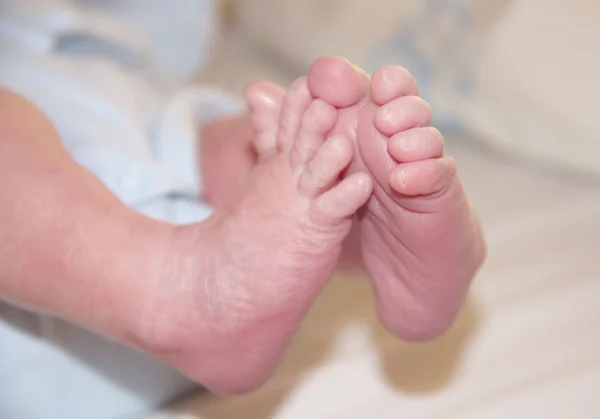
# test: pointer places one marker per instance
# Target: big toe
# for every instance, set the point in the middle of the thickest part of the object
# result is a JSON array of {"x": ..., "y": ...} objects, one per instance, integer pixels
[{"x": 337, "y": 81}]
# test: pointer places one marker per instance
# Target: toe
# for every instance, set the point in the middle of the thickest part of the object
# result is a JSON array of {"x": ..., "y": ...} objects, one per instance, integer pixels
[
  {"x": 392, "y": 82},
  {"x": 337, "y": 81},
  {"x": 325, "y": 168},
  {"x": 401, "y": 114},
  {"x": 263, "y": 96},
  {"x": 316, "y": 123},
  {"x": 416, "y": 144},
  {"x": 346, "y": 198},
  {"x": 265, "y": 101},
  {"x": 424, "y": 177},
  {"x": 296, "y": 102}
]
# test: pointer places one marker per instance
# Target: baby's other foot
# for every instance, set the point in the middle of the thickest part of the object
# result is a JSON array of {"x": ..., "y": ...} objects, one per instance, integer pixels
[
  {"x": 421, "y": 242},
  {"x": 274, "y": 246}
]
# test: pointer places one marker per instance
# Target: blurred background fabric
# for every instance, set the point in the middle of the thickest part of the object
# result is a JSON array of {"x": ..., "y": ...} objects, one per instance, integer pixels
[{"x": 517, "y": 74}]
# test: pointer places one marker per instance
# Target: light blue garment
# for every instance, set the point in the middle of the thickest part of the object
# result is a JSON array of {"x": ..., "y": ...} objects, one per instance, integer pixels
[
  {"x": 111, "y": 75},
  {"x": 435, "y": 45}
]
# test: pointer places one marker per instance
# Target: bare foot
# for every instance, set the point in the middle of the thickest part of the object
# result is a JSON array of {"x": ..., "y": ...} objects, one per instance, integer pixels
[
  {"x": 267, "y": 254},
  {"x": 421, "y": 241}
]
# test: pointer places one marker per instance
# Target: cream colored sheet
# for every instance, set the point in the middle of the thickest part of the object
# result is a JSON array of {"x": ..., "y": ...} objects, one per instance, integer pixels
[{"x": 526, "y": 346}]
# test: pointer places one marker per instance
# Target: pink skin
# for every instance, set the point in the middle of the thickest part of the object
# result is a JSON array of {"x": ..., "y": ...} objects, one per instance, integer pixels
[
  {"x": 219, "y": 300},
  {"x": 266, "y": 254},
  {"x": 421, "y": 242},
  {"x": 230, "y": 138}
]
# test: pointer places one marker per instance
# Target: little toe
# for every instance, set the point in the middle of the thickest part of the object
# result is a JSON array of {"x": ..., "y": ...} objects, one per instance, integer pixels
[
  {"x": 391, "y": 82},
  {"x": 346, "y": 198},
  {"x": 416, "y": 144},
  {"x": 264, "y": 100},
  {"x": 337, "y": 81},
  {"x": 316, "y": 123},
  {"x": 263, "y": 96},
  {"x": 296, "y": 102},
  {"x": 401, "y": 114},
  {"x": 424, "y": 177},
  {"x": 329, "y": 162}
]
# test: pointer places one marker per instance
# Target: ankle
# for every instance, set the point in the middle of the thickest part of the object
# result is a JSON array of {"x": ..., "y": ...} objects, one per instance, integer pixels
[
  {"x": 151, "y": 261},
  {"x": 169, "y": 308},
  {"x": 208, "y": 320}
]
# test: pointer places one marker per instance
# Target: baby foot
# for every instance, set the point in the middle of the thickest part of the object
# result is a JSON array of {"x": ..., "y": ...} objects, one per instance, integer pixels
[
  {"x": 273, "y": 247},
  {"x": 421, "y": 243}
]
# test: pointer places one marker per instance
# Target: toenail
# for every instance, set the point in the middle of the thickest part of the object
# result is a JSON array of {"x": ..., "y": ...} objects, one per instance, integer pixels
[
  {"x": 359, "y": 70},
  {"x": 403, "y": 177},
  {"x": 320, "y": 108},
  {"x": 387, "y": 74},
  {"x": 389, "y": 115},
  {"x": 404, "y": 143},
  {"x": 335, "y": 143}
]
